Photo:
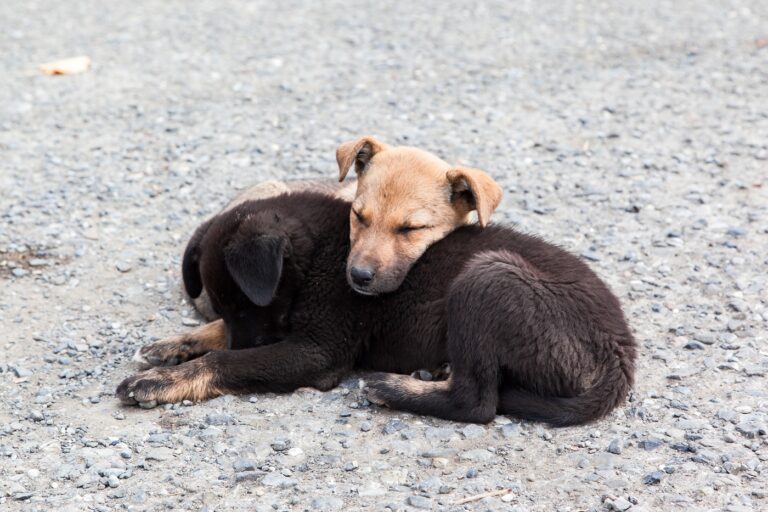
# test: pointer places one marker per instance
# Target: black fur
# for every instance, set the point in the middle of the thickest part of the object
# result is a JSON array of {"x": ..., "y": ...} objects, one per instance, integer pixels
[{"x": 529, "y": 329}]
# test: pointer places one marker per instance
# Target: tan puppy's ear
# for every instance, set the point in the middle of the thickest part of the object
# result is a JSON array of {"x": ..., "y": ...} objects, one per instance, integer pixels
[
  {"x": 476, "y": 190},
  {"x": 359, "y": 151}
]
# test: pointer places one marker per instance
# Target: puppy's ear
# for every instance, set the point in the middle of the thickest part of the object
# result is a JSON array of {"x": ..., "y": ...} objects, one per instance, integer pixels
[
  {"x": 359, "y": 151},
  {"x": 190, "y": 265},
  {"x": 474, "y": 190},
  {"x": 256, "y": 264}
]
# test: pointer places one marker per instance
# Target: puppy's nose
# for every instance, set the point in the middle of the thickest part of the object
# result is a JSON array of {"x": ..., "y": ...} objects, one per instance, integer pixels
[{"x": 361, "y": 276}]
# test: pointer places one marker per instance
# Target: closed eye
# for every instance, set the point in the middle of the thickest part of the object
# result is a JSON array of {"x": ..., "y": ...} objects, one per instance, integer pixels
[
  {"x": 409, "y": 229},
  {"x": 359, "y": 217}
]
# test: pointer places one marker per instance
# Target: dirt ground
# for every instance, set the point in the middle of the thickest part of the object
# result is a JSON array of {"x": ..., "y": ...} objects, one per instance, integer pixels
[{"x": 633, "y": 134}]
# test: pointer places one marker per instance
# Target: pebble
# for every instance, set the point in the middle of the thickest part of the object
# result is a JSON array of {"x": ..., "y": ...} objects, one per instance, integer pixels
[
  {"x": 278, "y": 480},
  {"x": 653, "y": 478},
  {"x": 219, "y": 419},
  {"x": 241, "y": 465},
  {"x": 280, "y": 445},
  {"x": 478, "y": 454},
  {"x": 420, "y": 502},
  {"x": 20, "y": 372},
  {"x": 394, "y": 425},
  {"x": 650, "y": 444},
  {"x": 327, "y": 503},
  {"x": 615, "y": 446}
]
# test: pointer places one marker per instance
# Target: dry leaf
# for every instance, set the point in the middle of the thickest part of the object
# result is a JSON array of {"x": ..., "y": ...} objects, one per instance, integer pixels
[
  {"x": 71, "y": 66},
  {"x": 761, "y": 43}
]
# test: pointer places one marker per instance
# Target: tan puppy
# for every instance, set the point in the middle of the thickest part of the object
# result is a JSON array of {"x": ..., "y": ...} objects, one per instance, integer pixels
[{"x": 406, "y": 200}]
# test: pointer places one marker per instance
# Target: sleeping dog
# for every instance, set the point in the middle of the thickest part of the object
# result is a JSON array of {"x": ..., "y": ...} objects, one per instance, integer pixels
[{"x": 528, "y": 328}]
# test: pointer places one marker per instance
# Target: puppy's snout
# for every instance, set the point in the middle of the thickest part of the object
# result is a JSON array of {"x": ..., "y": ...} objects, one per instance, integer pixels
[{"x": 361, "y": 276}]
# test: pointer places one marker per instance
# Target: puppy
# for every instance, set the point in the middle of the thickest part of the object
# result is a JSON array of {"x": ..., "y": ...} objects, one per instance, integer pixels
[
  {"x": 529, "y": 329},
  {"x": 264, "y": 189},
  {"x": 406, "y": 200}
]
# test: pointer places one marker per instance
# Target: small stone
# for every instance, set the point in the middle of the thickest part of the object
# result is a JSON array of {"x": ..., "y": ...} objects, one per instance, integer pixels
[
  {"x": 112, "y": 481},
  {"x": 241, "y": 465},
  {"x": 394, "y": 425},
  {"x": 439, "y": 462},
  {"x": 420, "y": 502},
  {"x": 471, "y": 473},
  {"x": 743, "y": 409},
  {"x": 327, "y": 503},
  {"x": 473, "y": 431},
  {"x": 351, "y": 466},
  {"x": 21, "y": 372},
  {"x": 278, "y": 480},
  {"x": 365, "y": 426},
  {"x": 189, "y": 322},
  {"x": 126, "y": 453},
  {"x": 615, "y": 446},
  {"x": 478, "y": 455},
  {"x": 19, "y": 272},
  {"x": 36, "y": 415},
  {"x": 694, "y": 345},
  {"x": 123, "y": 266},
  {"x": 653, "y": 478},
  {"x": 620, "y": 504},
  {"x": 280, "y": 445},
  {"x": 247, "y": 476},
  {"x": 219, "y": 419},
  {"x": 510, "y": 430},
  {"x": 590, "y": 255},
  {"x": 650, "y": 443},
  {"x": 149, "y": 404},
  {"x": 736, "y": 231}
]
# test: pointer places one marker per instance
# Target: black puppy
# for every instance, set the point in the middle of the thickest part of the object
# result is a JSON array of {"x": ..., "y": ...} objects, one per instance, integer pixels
[{"x": 528, "y": 328}]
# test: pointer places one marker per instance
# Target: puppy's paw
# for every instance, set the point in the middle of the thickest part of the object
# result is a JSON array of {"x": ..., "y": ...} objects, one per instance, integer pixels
[
  {"x": 142, "y": 388},
  {"x": 442, "y": 373},
  {"x": 379, "y": 387},
  {"x": 167, "y": 352},
  {"x": 188, "y": 381}
]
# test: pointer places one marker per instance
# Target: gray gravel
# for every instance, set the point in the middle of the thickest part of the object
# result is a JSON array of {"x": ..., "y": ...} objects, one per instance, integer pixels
[{"x": 634, "y": 136}]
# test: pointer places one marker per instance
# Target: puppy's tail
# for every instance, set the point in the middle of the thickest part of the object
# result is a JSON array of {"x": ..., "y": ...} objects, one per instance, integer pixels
[{"x": 594, "y": 403}]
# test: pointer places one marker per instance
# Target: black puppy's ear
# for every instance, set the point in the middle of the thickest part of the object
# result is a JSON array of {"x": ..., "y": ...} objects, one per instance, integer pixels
[
  {"x": 256, "y": 264},
  {"x": 190, "y": 265}
]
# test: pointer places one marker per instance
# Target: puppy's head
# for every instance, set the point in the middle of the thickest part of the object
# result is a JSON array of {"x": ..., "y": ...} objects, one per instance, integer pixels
[
  {"x": 406, "y": 200},
  {"x": 249, "y": 275}
]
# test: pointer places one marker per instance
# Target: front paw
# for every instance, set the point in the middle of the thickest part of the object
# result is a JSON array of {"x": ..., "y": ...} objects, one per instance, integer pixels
[
  {"x": 194, "y": 380},
  {"x": 167, "y": 352},
  {"x": 142, "y": 389}
]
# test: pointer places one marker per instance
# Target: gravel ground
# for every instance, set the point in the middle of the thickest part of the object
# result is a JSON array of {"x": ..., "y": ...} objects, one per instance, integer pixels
[{"x": 635, "y": 136}]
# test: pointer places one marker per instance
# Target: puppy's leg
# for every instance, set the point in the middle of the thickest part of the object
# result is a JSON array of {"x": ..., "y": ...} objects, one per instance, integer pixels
[
  {"x": 281, "y": 367},
  {"x": 466, "y": 396},
  {"x": 184, "y": 347},
  {"x": 477, "y": 328}
]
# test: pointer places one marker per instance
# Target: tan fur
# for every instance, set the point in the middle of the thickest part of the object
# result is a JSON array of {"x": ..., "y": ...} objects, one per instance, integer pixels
[
  {"x": 177, "y": 349},
  {"x": 404, "y": 186},
  {"x": 191, "y": 381},
  {"x": 407, "y": 385}
]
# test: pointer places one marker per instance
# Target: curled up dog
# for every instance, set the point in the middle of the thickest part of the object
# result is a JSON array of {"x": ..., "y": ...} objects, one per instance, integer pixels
[{"x": 528, "y": 328}]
